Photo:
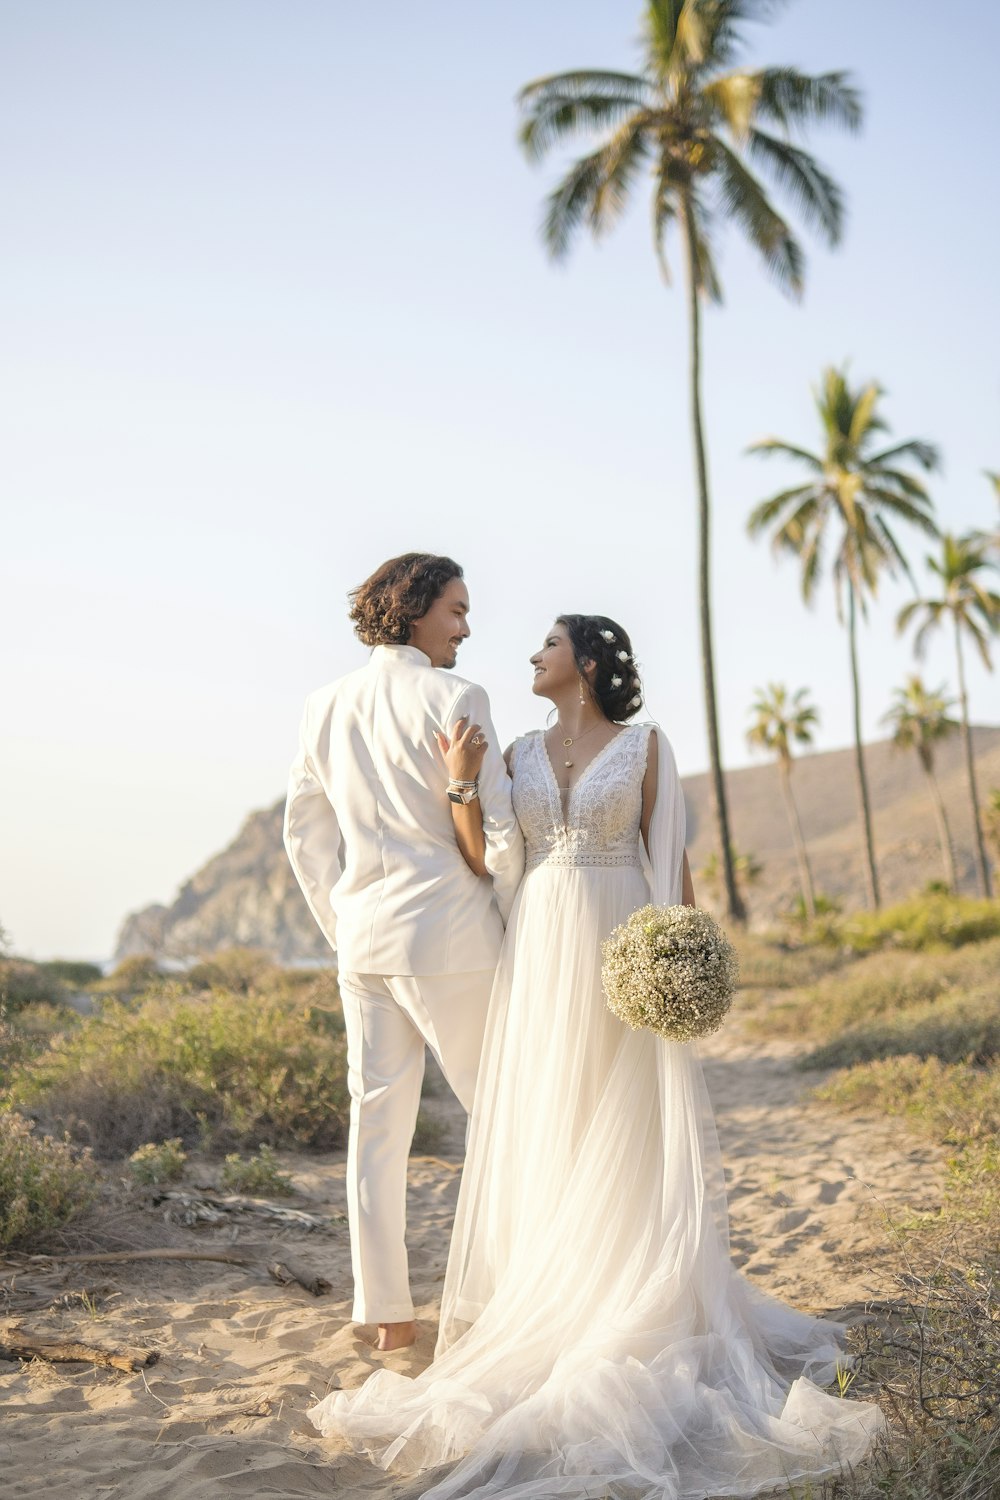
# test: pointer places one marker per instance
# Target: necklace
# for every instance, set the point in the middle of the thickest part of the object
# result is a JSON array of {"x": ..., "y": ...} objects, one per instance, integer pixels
[{"x": 571, "y": 740}]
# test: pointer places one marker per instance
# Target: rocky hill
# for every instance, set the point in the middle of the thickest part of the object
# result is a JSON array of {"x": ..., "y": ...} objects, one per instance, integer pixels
[{"x": 247, "y": 894}]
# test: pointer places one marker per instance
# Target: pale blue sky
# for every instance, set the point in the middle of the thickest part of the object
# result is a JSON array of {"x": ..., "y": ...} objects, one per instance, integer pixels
[{"x": 274, "y": 307}]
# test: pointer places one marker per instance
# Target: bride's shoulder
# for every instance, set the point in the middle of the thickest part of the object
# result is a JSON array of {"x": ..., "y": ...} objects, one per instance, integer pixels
[{"x": 517, "y": 745}]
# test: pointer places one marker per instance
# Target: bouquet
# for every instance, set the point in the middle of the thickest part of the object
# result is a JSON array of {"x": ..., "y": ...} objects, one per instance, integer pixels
[{"x": 670, "y": 969}]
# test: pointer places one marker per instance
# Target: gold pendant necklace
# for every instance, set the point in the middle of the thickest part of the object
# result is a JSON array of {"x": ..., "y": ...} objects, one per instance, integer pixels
[{"x": 570, "y": 741}]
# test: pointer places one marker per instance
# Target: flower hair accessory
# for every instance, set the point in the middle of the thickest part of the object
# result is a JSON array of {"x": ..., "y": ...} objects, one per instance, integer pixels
[
  {"x": 623, "y": 656},
  {"x": 634, "y": 702},
  {"x": 608, "y": 635},
  {"x": 616, "y": 682}
]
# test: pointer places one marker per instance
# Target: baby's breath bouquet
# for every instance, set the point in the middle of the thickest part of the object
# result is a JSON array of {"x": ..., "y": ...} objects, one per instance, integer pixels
[{"x": 670, "y": 969}]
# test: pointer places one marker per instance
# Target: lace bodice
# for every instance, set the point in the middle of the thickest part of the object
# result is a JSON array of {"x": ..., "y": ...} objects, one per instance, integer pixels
[{"x": 600, "y": 825}]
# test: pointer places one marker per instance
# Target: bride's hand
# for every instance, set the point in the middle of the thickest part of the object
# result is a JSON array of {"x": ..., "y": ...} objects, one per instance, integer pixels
[{"x": 465, "y": 751}]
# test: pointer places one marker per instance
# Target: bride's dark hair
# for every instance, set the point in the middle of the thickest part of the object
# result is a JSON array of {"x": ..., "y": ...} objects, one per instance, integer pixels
[{"x": 616, "y": 685}]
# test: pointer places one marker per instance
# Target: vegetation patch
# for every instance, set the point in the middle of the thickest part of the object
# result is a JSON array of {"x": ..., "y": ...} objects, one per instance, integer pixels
[
  {"x": 217, "y": 1069},
  {"x": 876, "y": 986},
  {"x": 259, "y": 1175},
  {"x": 964, "y": 1028},
  {"x": 43, "y": 1185},
  {"x": 923, "y": 924}
]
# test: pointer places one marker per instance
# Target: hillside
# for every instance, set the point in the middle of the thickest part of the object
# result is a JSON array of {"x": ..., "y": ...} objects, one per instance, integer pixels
[{"x": 248, "y": 895}]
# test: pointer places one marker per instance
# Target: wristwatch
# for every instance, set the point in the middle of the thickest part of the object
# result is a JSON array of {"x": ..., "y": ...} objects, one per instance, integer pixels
[{"x": 464, "y": 792}]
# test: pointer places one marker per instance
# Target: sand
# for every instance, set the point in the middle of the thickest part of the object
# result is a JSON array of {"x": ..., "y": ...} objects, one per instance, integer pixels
[{"x": 813, "y": 1194}]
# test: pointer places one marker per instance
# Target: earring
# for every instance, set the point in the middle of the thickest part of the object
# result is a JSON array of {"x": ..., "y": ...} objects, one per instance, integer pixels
[{"x": 583, "y": 700}]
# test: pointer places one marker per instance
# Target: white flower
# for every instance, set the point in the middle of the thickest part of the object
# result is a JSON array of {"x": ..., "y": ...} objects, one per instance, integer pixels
[
  {"x": 670, "y": 969},
  {"x": 622, "y": 655},
  {"x": 616, "y": 682},
  {"x": 634, "y": 702},
  {"x": 608, "y": 635}
]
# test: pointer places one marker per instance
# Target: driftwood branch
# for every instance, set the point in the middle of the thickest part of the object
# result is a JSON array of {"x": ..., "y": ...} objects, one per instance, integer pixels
[
  {"x": 282, "y": 1270},
  {"x": 15, "y": 1343}
]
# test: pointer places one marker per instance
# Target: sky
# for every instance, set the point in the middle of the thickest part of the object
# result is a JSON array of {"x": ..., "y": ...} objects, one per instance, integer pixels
[{"x": 275, "y": 307}]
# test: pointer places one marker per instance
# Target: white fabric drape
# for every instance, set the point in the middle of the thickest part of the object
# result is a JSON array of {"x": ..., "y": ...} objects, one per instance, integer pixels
[{"x": 595, "y": 1339}]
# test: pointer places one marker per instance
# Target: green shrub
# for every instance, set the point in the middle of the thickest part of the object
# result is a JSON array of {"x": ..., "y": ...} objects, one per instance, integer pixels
[
  {"x": 23, "y": 983},
  {"x": 154, "y": 1163},
  {"x": 133, "y": 976},
  {"x": 218, "y": 1069},
  {"x": 952, "y": 1102},
  {"x": 927, "y": 922},
  {"x": 877, "y": 985},
  {"x": 964, "y": 1028},
  {"x": 241, "y": 970},
  {"x": 771, "y": 964},
  {"x": 73, "y": 972},
  {"x": 43, "y": 1185},
  {"x": 257, "y": 1175}
]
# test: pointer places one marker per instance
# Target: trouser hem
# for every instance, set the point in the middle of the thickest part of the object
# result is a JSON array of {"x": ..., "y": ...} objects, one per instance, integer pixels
[{"x": 393, "y": 1312}]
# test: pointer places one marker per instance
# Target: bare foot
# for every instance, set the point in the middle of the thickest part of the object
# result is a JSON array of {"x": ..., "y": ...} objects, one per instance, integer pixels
[{"x": 396, "y": 1336}]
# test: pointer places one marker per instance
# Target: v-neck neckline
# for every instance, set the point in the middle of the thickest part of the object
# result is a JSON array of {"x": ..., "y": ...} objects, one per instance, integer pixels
[{"x": 571, "y": 790}]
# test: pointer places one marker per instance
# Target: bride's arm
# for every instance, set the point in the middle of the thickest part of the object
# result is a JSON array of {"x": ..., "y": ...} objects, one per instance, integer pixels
[
  {"x": 464, "y": 761},
  {"x": 649, "y": 786}
]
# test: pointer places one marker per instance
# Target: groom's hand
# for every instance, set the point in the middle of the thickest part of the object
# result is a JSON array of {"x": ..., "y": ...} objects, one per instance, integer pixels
[{"x": 465, "y": 750}]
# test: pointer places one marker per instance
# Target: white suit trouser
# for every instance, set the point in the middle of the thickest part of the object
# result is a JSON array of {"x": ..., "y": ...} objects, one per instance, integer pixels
[{"x": 388, "y": 1020}]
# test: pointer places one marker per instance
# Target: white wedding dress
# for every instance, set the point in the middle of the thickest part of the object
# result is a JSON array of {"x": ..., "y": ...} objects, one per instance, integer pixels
[{"x": 595, "y": 1339}]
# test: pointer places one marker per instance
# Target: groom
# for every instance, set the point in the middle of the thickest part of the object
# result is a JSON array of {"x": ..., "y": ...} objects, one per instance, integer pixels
[{"x": 370, "y": 830}]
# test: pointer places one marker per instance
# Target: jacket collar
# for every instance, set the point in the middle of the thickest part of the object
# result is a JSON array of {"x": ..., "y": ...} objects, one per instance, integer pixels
[{"x": 412, "y": 655}]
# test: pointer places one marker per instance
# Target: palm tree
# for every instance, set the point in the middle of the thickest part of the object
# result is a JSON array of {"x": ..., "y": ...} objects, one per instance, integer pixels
[
  {"x": 700, "y": 126},
  {"x": 853, "y": 489},
  {"x": 974, "y": 610},
  {"x": 778, "y": 720},
  {"x": 991, "y": 829},
  {"x": 919, "y": 719}
]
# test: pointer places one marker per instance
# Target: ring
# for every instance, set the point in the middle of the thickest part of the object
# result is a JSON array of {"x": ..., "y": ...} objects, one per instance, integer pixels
[{"x": 476, "y": 740}]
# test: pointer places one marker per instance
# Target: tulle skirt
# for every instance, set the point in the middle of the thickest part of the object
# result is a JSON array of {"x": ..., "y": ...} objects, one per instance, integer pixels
[{"x": 595, "y": 1339}]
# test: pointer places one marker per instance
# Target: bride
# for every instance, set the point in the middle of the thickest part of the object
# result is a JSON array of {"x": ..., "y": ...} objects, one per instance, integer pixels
[{"x": 595, "y": 1339}]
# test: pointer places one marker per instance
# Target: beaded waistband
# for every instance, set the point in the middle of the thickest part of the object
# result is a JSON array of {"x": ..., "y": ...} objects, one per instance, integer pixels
[{"x": 581, "y": 858}]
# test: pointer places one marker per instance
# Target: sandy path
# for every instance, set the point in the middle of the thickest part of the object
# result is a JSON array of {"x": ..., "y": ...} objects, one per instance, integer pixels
[{"x": 222, "y": 1412}]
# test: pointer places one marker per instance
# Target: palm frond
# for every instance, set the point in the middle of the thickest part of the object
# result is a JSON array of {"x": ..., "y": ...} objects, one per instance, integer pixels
[
  {"x": 767, "y": 446},
  {"x": 763, "y": 514},
  {"x": 744, "y": 200},
  {"x": 926, "y": 454},
  {"x": 566, "y": 104},
  {"x": 595, "y": 188},
  {"x": 787, "y": 97},
  {"x": 816, "y": 195}
]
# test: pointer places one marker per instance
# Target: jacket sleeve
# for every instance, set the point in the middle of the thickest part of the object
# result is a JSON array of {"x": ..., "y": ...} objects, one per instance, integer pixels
[
  {"x": 504, "y": 844},
  {"x": 312, "y": 837}
]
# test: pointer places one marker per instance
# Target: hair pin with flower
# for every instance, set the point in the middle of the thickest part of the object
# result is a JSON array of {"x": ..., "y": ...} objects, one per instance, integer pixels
[
  {"x": 616, "y": 682},
  {"x": 608, "y": 635},
  {"x": 624, "y": 656}
]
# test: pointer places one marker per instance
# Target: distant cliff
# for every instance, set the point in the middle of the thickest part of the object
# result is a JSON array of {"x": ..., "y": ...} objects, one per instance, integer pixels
[
  {"x": 248, "y": 895},
  {"x": 245, "y": 896}
]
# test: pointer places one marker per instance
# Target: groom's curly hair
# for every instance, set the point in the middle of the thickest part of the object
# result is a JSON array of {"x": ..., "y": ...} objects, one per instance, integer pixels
[
  {"x": 402, "y": 590},
  {"x": 616, "y": 684}
]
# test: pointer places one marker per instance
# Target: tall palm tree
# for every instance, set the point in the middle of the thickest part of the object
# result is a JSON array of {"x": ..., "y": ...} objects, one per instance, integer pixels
[
  {"x": 698, "y": 127},
  {"x": 991, "y": 829},
  {"x": 852, "y": 491},
  {"x": 778, "y": 720},
  {"x": 974, "y": 610},
  {"x": 919, "y": 720}
]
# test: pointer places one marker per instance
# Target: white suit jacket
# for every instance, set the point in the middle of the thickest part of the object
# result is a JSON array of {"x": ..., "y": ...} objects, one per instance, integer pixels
[{"x": 368, "y": 825}]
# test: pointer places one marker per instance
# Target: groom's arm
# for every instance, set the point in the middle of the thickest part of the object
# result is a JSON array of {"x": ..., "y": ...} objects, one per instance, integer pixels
[
  {"x": 312, "y": 837},
  {"x": 504, "y": 846}
]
